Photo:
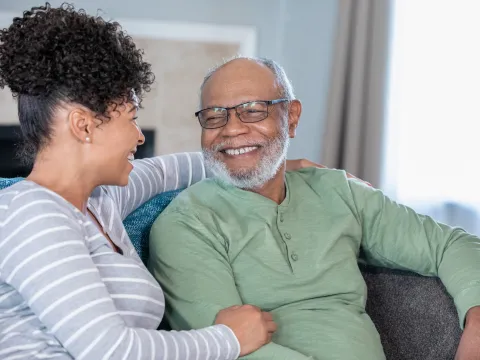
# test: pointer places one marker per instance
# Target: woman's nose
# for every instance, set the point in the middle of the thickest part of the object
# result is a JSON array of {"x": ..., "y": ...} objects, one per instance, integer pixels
[{"x": 141, "y": 137}]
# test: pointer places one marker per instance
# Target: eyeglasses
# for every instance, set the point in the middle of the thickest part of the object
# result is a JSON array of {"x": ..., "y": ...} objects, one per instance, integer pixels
[{"x": 249, "y": 112}]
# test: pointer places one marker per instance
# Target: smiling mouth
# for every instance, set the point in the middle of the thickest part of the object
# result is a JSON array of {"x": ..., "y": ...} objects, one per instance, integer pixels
[
  {"x": 131, "y": 156},
  {"x": 239, "y": 151}
]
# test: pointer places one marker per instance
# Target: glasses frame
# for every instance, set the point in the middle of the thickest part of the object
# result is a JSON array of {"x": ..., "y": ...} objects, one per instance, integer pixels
[{"x": 227, "y": 109}]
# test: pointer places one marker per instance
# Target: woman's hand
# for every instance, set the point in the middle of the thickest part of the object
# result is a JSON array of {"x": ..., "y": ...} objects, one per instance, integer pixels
[
  {"x": 298, "y": 164},
  {"x": 252, "y": 327}
]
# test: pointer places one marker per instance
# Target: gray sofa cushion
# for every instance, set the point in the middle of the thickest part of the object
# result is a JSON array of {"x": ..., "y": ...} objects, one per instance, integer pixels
[{"x": 415, "y": 316}]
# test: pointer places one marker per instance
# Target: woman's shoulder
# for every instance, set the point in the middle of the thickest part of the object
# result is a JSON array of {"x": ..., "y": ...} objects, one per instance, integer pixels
[
  {"x": 30, "y": 198},
  {"x": 10, "y": 193}
]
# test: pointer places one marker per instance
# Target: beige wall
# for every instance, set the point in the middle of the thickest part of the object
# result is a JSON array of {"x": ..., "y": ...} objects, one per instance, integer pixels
[
  {"x": 8, "y": 108},
  {"x": 179, "y": 67}
]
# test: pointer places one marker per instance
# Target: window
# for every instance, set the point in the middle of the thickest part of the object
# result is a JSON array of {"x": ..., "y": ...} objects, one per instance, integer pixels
[{"x": 433, "y": 111}]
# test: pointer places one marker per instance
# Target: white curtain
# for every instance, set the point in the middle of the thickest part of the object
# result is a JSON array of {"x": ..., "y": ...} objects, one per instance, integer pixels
[
  {"x": 353, "y": 135},
  {"x": 433, "y": 125}
]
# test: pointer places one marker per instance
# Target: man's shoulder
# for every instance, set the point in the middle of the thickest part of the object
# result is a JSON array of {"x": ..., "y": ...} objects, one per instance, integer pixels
[
  {"x": 324, "y": 177},
  {"x": 201, "y": 194},
  {"x": 190, "y": 212}
]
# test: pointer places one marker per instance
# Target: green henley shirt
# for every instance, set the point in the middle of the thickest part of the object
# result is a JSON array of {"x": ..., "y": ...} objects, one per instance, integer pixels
[{"x": 216, "y": 246}]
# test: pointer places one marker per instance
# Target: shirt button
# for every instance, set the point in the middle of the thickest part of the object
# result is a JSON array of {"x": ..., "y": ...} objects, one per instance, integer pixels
[
  {"x": 287, "y": 236},
  {"x": 281, "y": 217},
  {"x": 294, "y": 256}
]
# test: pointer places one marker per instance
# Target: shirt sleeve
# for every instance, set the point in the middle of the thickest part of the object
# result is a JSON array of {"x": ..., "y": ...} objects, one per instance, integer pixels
[
  {"x": 152, "y": 176},
  {"x": 193, "y": 267},
  {"x": 44, "y": 257},
  {"x": 396, "y": 236}
]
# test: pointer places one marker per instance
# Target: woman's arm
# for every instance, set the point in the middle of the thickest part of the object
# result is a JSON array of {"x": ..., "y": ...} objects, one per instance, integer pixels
[
  {"x": 44, "y": 257},
  {"x": 153, "y": 176},
  {"x": 298, "y": 164}
]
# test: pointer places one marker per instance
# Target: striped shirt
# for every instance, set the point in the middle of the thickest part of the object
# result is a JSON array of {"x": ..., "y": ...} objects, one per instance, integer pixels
[{"x": 65, "y": 293}]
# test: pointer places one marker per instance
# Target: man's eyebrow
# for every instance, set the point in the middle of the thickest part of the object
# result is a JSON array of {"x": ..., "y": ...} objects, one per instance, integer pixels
[{"x": 134, "y": 108}]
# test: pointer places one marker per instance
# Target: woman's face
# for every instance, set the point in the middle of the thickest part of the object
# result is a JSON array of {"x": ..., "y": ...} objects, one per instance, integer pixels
[{"x": 114, "y": 143}]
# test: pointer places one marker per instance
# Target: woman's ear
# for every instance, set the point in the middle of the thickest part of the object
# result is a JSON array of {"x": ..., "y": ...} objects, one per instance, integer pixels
[{"x": 82, "y": 124}]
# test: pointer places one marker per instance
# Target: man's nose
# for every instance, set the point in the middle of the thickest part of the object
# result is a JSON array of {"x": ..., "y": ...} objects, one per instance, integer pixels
[{"x": 234, "y": 126}]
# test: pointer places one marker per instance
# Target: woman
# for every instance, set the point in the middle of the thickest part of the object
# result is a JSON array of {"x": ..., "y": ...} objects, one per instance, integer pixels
[{"x": 71, "y": 283}]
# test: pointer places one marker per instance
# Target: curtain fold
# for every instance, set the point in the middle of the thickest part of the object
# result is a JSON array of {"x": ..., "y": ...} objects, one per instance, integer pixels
[{"x": 354, "y": 129}]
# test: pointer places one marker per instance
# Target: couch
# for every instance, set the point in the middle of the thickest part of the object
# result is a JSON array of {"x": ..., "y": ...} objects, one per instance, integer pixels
[{"x": 415, "y": 316}]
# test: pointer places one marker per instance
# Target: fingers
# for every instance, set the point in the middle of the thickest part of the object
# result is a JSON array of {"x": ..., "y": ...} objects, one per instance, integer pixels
[
  {"x": 269, "y": 338},
  {"x": 307, "y": 163},
  {"x": 267, "y": 316},
  {"x": 271, "y": 327},
  {"x": 312, "y": 164},
  {"x": 350, "y": 176},
  {"x": 270, "y": 324}
]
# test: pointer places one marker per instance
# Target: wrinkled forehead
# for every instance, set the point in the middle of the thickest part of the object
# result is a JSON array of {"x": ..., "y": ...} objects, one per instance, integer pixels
[{"x": 230, "y": 86}]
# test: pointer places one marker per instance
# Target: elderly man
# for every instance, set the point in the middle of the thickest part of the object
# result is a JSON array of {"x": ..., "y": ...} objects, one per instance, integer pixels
[{"x": 288, "y": 242}]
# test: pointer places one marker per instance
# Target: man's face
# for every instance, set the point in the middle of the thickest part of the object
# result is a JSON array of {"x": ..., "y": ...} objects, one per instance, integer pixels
[{"x": 246, "y": 154}]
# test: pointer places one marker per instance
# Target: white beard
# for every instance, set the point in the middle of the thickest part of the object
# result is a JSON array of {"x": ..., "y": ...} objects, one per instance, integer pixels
[{"x": 275, "y": 154}]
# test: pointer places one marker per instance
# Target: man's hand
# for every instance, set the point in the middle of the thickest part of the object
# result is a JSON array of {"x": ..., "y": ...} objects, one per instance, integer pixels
[
  {"x": 298, "y": 164},
  {"x": 469, "y": 347}
]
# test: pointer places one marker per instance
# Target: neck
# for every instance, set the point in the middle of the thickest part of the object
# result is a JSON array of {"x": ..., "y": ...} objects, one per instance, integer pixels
[
  {"x": 275, "y": 188},
  {"x": 66, "y": 180}
]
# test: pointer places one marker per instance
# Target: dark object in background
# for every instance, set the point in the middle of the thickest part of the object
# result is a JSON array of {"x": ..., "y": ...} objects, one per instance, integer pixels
[
  {"x": 148, "y": 149},
  {"x": 11, "y": 166}
]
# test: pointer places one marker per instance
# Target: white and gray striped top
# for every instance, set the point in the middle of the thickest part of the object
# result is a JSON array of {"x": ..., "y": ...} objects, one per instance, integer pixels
[{"x": 64, "y": 292}]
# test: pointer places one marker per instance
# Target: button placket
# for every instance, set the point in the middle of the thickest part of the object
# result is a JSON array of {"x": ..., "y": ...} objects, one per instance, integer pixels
[{"x": 291, "y": 255}]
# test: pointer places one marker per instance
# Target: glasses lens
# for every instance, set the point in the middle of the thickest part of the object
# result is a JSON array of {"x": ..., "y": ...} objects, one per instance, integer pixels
[
  {"x": 253, "y": 111},
  {"x": 213, "y": 118}
]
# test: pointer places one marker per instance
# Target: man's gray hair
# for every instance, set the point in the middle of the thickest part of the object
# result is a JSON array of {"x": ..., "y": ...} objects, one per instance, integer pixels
[{"x": 284, "y": 84}]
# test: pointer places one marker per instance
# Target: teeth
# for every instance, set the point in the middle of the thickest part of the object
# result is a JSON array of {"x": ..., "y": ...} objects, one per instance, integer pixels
[{"x": 241, "y": 150}]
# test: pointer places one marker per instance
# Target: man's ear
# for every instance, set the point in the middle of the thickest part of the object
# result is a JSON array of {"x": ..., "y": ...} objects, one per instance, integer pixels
[
  {"x": 294, "y": 112},
  {"x": 82, "y": 124}
]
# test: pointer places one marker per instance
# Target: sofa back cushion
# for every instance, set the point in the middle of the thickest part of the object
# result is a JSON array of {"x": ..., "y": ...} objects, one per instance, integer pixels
[{"x": 140, "y": 221}]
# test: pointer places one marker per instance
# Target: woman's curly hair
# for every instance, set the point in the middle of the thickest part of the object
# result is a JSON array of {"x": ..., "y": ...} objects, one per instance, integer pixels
[{"x": 61, "y": 54}]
